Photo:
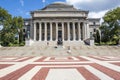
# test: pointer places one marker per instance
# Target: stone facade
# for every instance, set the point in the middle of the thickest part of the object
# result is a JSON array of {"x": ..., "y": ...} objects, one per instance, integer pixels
[{"x": 59, "y": 22}]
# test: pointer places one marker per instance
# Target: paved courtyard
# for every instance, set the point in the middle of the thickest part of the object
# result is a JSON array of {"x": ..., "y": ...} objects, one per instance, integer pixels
[{"x": 60, "y": 68}]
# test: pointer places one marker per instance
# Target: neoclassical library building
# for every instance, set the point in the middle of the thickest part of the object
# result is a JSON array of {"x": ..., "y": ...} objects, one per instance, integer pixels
[{"x": 59, "y": 24}]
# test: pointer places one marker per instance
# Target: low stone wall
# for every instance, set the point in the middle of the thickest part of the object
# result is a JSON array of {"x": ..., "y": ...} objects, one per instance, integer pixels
[
  {"x": 89, "y": 42},
  {"x": 73, "y": 43},
  {"x": 54, "y": 43},
  {"x": 29, "y": 42}
]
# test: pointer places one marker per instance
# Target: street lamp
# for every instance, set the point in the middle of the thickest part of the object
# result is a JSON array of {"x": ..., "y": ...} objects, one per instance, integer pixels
[
  {"x": 18, "y": 35},
  {"x": 28, "y": 35},
  {"x": 0, "y": 36}
]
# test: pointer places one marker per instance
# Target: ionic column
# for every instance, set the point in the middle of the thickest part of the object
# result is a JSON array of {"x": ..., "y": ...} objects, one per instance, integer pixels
[
  {"x": 68, "y": 27},
  {"x": 39, "y": 31},
  {"x": 79, "y": 34},
  {"x": 62, "y": 31},
  {"x": 56, "y": 31},
  {"x": 84, "y": 31},
  {"x": 45, "y": 31},
  {"x": 74, "y": 36},
  {"x": 34, "y": 31},
  {"x": 88, "y": 31},
  {"x": 50, "y": 31}
]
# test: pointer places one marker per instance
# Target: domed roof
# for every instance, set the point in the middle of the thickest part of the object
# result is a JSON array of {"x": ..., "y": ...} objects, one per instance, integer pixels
[
  {"x": 59, "y": 6},
  {"x": 59, "y": 3}
]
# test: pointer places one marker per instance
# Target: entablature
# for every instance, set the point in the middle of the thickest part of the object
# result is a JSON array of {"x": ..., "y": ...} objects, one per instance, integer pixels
[{"x": 59, "y": 14}]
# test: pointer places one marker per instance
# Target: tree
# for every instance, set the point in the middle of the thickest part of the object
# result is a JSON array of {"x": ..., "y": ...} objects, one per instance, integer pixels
[
  {"x": 5, "y": 20},
  {"x": 17, "y": 25},
  {"x": 4, "y": 16},
  {"x": 110, "y": 28},
  {"x": 11, "y": 25}
]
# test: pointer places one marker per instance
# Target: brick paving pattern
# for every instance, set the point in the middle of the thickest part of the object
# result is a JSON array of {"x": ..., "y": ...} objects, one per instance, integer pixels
[{"x": 60, "y": 68}]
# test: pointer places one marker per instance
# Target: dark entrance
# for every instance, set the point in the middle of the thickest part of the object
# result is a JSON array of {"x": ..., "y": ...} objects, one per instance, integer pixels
[{"x": 59, "y": 42}]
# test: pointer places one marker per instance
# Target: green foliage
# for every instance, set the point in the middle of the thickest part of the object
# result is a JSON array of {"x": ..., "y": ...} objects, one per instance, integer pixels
[
  {"x": 22, "y": 44},
  {"x": 110, "y": 29},
  {"x": 4, "y": 16},
  {"x": 11, "y": 27}
]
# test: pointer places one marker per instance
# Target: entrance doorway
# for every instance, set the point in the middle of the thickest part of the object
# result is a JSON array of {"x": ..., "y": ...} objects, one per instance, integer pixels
[
  {"x": 59, "y": 35},
  {"x": 59, "y": 42}
]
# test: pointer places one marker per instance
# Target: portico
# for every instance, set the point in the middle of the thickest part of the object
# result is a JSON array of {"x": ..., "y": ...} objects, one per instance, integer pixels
[{"x": 52, "y": 31}]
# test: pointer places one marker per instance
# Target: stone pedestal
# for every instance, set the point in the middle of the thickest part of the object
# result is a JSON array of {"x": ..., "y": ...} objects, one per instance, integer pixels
[
  {"x": 28, "y": 42},
  {"x": 91, "y": 42}
]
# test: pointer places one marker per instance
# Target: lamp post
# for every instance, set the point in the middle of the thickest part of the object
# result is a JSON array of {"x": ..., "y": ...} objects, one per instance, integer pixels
[
  {"x": 28, "y": 35},
  {"x": 18, "y": 35},
  {"x": 0, "y": 36}
]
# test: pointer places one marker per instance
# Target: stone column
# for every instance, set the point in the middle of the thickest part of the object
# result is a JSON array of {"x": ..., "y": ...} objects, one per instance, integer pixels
[
  {"x": 40, "y": 31},
  {"x": 79, "y": 34},
  {"x": 34, "y": 31},
  {"x": 50, "y": 31},
  {"x": 45, "y": 31},
  {"x": 68, "y": 27},
  {"x": 84, "y": 31},
  {"x": 56, "y": 31},
  {"x": 63, "y": 31},
  {"x": 88, "y": 31},
  {"x": 74, "y": 36},
  {"x": 31, "y": 30}
]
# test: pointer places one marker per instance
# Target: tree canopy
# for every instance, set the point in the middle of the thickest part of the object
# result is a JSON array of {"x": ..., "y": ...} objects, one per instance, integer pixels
[
  {"x": 12, "y": 26},
  {"x": 110, "y": 29}
]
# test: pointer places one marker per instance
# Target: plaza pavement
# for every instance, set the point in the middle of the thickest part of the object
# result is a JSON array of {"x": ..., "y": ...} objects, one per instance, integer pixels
[
  {"x": 60, "y": 68},
  {"x": 50, "y": 63}
]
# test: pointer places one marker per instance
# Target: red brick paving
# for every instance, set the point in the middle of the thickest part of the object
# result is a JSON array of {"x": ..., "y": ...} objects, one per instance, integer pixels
[
  {"x": 4, "y": 65},
  {"x": 109, "y": 72},
  {"x": 43, "y": 72},
  {"x": 18, "y": 73},
  {"x": 87, "y": 74},
  {"x": 41, "y": 75}
]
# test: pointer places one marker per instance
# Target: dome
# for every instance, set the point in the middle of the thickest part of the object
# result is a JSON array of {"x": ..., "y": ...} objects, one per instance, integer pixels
[
  {"x": 59, "y": 3},
  {"x": 59, "y": 6}
]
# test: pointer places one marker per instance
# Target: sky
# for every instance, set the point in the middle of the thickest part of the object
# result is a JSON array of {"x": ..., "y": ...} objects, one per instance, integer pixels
[{"x": 96, "y": 8}]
